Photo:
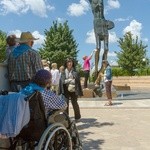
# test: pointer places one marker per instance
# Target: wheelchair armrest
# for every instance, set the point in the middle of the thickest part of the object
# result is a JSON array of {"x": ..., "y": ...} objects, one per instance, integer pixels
[{"x": 58, "y": 116}]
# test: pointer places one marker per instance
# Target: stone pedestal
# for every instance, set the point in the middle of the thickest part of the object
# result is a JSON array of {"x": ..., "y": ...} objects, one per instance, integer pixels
[{"x": 88, "y": 93}]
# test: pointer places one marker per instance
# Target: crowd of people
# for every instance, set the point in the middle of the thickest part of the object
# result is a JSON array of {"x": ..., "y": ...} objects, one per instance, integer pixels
[{"x": 28, "y": 72}]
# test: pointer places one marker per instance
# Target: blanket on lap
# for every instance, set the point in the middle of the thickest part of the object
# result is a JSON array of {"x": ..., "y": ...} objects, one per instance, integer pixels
[{"x": 14, "y": 114}]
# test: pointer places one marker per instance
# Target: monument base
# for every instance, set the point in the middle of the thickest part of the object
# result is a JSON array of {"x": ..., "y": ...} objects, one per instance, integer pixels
[{"x": 88, "y": 93}]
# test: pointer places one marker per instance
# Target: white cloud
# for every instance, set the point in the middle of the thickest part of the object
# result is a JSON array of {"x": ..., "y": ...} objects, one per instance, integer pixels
[
  {"x": 40, "y": 36},
  {"x": 145, "y": 40},
  {"x": 60, "y": 20},
  {"x": 91, "y": 37},
  {"x": 113, "y": 4},
  {"x": 112, "y": 54},
  {"x": 123, "y": 19},
  {"x": 16, "y": 32},
  {"x": 135, "y": 28},
  {"x": 38, "y": 7},
  {"x": 113, "y": 62},
  {"x": 36, "y": 34},
  {"x": 113, "y": 37},
  {"x": 78, "y": 9}
]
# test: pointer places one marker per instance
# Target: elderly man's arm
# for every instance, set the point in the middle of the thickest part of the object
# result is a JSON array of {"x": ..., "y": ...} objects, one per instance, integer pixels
[{"x": 53, "y": 101}]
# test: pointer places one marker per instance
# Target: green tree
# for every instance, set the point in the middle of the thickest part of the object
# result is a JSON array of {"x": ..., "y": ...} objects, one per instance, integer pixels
[
  {"x": 2, "y": 46},
  {"x": 59, "y": 44},
  {"x": 132, "y": 53}
]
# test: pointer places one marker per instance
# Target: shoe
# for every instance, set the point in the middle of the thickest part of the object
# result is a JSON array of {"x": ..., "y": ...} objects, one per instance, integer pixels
[
  {"x": 77, "y": 119},
  {"x": 108, "y": 104}
]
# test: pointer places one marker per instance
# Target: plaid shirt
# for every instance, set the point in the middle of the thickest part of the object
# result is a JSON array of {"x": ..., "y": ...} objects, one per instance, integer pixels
[
  {"x": 25, "y": 66},
  {"x": 52, "y": 101}
]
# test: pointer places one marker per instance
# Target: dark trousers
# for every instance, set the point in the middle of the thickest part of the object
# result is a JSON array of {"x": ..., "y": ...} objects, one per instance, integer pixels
[
  {"x": 86, "y": 77},
  {"x": 16, "y": 86},
  {"x": 108, "y": 89},
  {"x": 74, "y": 100}
]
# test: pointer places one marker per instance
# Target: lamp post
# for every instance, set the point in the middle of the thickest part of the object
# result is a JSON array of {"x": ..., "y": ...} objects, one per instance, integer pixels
[{"x": 145, "y": 61}]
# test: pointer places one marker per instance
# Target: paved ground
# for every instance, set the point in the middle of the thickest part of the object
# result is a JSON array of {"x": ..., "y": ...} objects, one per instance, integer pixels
[{"x": 123, "y": 126}]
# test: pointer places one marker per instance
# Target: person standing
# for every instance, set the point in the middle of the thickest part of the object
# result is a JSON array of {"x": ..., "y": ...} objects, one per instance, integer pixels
[
  {"x": 55, "y": 78},
  {"x": 46, "y": 64},
  {"x": 61, "y": 69},
  {"x": 86, "y": 67},
  {"x": 108, "y": 81},
  {"x": 23, "y": 62},
  {"x": 11, "y": 44},
  {"x": 71, "y": 77}
]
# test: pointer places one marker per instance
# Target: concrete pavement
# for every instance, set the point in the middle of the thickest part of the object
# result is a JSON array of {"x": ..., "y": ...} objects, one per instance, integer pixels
[{"x": 123, "y": 126}]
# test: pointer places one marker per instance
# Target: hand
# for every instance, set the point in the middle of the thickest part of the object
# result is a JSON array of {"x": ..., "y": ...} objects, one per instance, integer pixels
[{"x": 95, "y": 50}]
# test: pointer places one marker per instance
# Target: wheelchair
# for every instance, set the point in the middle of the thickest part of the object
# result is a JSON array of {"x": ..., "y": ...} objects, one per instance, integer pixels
[{"x": 56, "y": 131}]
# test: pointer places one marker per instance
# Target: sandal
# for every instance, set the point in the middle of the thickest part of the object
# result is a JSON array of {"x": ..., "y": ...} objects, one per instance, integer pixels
[{"x": 108, "y": 104}]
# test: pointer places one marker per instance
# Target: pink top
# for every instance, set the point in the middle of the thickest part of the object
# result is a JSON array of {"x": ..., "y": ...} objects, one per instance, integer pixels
[{"x": 86, "y": 65}]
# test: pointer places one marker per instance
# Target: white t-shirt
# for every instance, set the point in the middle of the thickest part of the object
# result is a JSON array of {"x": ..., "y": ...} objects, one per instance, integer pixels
[{"x": 55, "y": 76}]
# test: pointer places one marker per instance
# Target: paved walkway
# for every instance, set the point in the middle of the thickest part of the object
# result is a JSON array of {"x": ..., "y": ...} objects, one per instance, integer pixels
[{"x": 123, "y": 126}]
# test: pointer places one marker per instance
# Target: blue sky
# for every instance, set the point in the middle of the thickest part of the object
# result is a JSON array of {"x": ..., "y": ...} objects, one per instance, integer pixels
[{"x": 35, "y": 16}]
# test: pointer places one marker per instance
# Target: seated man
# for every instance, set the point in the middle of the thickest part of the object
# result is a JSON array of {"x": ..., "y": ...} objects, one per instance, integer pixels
[
  {"x": 37, "y": 125},
  {"x": 40, "y": 81}
]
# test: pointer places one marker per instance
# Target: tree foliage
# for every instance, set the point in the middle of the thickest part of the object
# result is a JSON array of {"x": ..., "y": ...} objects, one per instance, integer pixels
[
  {"x": 2, "y": 46},
  {"x": 59, "y": 44},
  {"x": 132, "y": 53}
]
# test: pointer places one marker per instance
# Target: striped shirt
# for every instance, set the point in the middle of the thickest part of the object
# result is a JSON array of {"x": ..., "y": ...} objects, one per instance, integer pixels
[{"x": 25, "y": 66}]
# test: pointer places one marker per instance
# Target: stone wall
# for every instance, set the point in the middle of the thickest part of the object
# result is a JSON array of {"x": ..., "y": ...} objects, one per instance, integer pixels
[{"x": 134, "y": 82}]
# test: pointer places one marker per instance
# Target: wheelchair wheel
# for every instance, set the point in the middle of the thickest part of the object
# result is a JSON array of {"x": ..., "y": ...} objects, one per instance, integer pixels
[{"x": 55, "y": 137}]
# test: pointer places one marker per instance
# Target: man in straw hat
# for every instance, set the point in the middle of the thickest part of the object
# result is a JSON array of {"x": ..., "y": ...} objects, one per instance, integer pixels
[{"x": 23, "y": 62}]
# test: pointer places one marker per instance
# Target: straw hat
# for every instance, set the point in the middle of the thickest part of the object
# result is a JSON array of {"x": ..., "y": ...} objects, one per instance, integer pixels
[{"x": 26, "y": 37}]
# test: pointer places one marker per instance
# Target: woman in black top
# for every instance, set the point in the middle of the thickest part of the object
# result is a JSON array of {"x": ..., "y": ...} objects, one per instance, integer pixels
[{"x": 71, "y": 76}]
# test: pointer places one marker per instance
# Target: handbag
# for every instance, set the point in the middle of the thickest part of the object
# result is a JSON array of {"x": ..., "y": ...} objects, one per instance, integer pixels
[{"x": 71, "y": 87}]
